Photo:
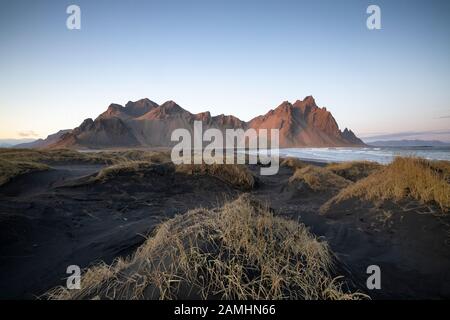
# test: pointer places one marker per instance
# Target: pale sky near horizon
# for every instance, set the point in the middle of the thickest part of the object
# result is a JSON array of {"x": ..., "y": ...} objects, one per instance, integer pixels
[{"x": 233, "y": 57}]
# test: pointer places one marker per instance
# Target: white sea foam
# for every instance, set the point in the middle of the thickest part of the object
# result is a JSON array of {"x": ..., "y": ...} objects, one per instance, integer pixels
[{"x": 378, "y": 154}]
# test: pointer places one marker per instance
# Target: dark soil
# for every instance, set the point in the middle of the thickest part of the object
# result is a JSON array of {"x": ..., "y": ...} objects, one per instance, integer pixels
[{"x": 52, "y": 219}]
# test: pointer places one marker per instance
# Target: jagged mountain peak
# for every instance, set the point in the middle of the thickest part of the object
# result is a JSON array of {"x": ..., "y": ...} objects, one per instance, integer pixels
[
  {"x": 284, "y": 106},
  {"x": 171, "y": 106},
  {"x": 306, "y": 105},
  {"x": 139, "y": 107},
  {"x": 309, "y": 100}
]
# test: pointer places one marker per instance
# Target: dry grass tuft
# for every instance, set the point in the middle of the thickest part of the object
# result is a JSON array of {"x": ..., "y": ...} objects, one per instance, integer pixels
[
  {"x": 420, "y": 179},
  {"x": 138, "y": 168},
  {"x": 354, "y": 170},
  {"x": 138, "y": 155},
  {"x": 293, "y": 163},
  {"x": 234, "y": 174},
  {"x": 13, "y": 169},
  {"x": 319, "y": 179},
  {"x": 239, "y": 251}
]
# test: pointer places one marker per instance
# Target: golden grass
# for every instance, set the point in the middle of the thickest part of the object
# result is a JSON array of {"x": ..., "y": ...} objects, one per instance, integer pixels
[
  {"x": 138, "y": 155},
  {"x": 442, "y": 168},
  {"x": 354, "y": 170},
  {"x": 67, "y": 155},
  {"x": 239, "y": 251},
  {"x": 56, "y": 155},
  {"x": 126, "y": 167},
  {"x": 293, "y": 163},
  {"x": 236, "y": 175},
  {"x": 13, "y": 169},
  {"x": 420, "y": 179},
  {"x": 319, "y": 179}
]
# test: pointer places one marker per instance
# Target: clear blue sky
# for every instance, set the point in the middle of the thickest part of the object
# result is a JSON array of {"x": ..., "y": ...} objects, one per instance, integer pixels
[{"x": 232, "y": 57}]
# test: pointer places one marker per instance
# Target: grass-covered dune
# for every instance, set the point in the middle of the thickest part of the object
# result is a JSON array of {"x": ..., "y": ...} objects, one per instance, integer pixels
[
  {"x": 12, "y": 169},
  {"x": 236, "y": 175},
  {"x": 318, "y": 179},
  {"x": 238, "y": 251},
  {"x": 73, "y": 156},
  {"x": 293, "y": 163},
  {"x": 17, "y": 162},
  {"x": 403, "y": 179},
  {"x": 354, "y": 170}
]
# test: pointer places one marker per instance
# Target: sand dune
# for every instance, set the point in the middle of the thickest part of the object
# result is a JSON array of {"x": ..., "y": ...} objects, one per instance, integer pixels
[{"x": 87, "y": 208}]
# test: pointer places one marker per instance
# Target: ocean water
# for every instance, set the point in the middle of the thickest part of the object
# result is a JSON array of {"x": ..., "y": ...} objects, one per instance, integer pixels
[{"x": 381, "y": 155}]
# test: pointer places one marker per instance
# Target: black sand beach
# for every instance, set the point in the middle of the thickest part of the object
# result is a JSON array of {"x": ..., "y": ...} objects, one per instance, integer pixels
[{"x": 59, "y": 217}]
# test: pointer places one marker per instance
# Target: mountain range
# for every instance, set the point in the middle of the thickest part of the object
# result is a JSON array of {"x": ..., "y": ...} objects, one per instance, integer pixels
[
  {"x": 8, "y": 143},
  {"x": 144, "y": 123},
  {"x": 409, "y": 143}
]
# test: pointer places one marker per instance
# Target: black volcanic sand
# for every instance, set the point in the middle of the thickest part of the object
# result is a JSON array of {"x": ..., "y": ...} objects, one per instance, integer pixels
[
  {"x": 48, "y": 220},
  {"x": 409, "y": 244},
  {"x": 52, "y": 219}
]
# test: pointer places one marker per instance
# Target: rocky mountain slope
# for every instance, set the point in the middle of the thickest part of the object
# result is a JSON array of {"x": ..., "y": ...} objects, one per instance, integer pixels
[{"x": 144, "y": 123}]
